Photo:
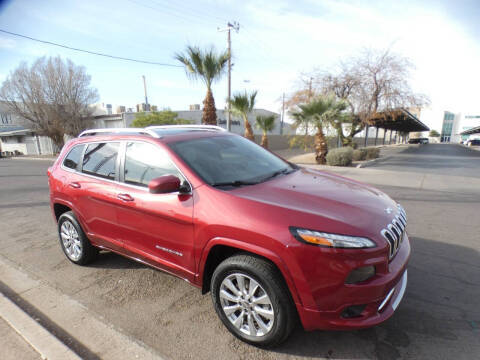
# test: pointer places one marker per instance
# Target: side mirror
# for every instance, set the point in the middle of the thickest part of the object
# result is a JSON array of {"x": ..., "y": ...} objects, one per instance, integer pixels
[{"x": 164, "y": 184}]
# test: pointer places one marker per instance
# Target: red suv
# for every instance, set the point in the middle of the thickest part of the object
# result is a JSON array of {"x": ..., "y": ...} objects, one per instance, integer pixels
[{"x": 271, "y": 241}]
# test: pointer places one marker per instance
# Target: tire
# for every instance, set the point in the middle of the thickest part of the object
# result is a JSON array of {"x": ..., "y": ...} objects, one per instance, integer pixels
[
  {"x": 253, "y": 311},
  {"x": 74, "y": 242}
]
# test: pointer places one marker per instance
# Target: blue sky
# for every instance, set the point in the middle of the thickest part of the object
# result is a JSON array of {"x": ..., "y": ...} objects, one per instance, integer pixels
[{"x": 277, "y": 41}]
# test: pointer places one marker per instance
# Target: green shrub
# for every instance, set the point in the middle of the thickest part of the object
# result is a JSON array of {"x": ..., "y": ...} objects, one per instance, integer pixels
[
  {"x": 359, "y": 154},
  {"x": 340, "y": 156},
  {"x": 372, "y": 152}
]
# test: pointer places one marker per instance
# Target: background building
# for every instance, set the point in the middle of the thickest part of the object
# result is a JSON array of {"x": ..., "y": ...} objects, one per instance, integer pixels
[
  {"x": 454, "y": 124},
  {"x": 17, "y": 137}
]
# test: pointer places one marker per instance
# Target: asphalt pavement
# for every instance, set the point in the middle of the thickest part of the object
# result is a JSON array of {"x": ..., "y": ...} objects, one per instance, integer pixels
[
  {"x": 439, "y": 317},
  {"x": 441, "y": 159}
]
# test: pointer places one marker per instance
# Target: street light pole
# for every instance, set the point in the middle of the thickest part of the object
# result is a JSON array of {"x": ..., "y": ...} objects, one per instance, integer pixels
[
  {"x": 147, "y": 107},
  {"x": 236, "y": 27},
  {"x": 283, "y": 114}
]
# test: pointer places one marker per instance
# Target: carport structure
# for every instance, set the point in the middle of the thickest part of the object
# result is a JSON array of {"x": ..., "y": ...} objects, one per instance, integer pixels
[
  {"x": 475, "y": 130},
  {"x": 401, "y": 121}
]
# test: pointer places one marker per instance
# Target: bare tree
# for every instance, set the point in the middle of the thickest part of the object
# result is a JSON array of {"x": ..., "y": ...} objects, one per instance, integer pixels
[
  {"x": 53, "y": 95},
  {"x": 373, "y": 82}
]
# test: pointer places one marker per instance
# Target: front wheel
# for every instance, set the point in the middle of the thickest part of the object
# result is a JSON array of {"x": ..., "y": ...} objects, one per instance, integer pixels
[
  {"x": 73, "y": 240},
  {"x": 252, "y": 300}
]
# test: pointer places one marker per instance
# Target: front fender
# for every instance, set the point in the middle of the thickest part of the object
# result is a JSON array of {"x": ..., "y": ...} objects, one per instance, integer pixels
[{"x": 255, "y": 249}]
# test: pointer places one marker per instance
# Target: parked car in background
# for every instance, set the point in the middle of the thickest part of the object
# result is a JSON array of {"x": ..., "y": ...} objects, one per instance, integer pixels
[
  {"x": 270, "y": 241},
  {"x": 473, "y": 142},
  {"x": 418, "y": 141}
]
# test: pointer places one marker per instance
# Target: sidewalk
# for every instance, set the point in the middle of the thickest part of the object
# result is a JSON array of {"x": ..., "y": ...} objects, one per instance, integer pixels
[
  {"x": 27, "y": 157},
  {"x": 48, "y": 320},
  {"x": 13, "y": 346}
]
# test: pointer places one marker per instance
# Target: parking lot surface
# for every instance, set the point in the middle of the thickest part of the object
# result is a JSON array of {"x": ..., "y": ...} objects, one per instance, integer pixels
[
  {"x": 439, "y": 317},
  {"x": 441, "y": 159}
]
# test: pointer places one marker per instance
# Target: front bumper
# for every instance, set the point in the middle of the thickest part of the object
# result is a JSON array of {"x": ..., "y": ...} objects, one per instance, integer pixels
[
  {"x": 375, "y": 312},
  {"x": 380, "y": 296}
]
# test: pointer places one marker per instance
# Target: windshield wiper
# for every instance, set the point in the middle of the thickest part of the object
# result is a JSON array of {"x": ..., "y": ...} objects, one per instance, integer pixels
[
  {"x": 235, "y": 183},
  {"x": 276, "y": 173}
]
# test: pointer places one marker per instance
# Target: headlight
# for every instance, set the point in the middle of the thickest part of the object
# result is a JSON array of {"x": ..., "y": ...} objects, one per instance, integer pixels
[{"x": 331, "y": 240}]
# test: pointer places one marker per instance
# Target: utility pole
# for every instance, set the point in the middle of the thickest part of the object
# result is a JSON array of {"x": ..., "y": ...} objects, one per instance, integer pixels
[
  {"x": 310, "y": 89},
  {"x": 283, "y": 114},
  {"x": 235, "y": 26},
  {"x": 147, "y": 107}
]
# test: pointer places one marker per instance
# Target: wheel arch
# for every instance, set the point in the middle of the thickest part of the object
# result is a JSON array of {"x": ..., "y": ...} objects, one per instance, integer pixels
[
  {"x": 219, "y": 249},
  {"x": 59, "y": 209}
]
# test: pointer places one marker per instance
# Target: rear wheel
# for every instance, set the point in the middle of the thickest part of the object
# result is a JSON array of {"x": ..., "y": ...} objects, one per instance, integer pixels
[
  {"x": 252, "y": 300},
  {"x": 73, "y": 240}
]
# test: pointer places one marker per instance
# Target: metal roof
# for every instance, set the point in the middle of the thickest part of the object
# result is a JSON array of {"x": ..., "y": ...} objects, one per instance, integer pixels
[
  {"x": 475, "y": 130},
  {"x": 13, "y": 130},
  {"x": 400, "y": 120}
]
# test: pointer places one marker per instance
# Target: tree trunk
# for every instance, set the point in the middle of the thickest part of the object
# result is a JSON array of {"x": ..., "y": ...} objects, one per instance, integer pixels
[
  {"x": 264, "y": 140},
  {"x": 57, "y": 139},
  {"x": 209, "y": 116},
  {"x": 321, "y": 147},
  {"x": 248, "y": 130},
  {"x": 348, "y": 141}
]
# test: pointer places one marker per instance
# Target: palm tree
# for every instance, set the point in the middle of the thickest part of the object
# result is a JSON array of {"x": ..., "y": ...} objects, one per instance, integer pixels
[
  {"x": 242, "y": 105},
  {"x": 266, "y": 124},
  {"x": 322, "y": 111},
  {"x": 301, "y": 122},
  {"x": 208, "y": 66}
]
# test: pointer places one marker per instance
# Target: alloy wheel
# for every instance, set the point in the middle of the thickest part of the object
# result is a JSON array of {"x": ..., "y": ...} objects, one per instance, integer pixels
[
  {"x": 246, "y": 305},
  {"x": 71, "y": 241}
]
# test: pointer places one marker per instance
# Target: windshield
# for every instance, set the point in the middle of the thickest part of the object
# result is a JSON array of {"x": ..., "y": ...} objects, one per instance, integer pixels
[{"x": 230, "y": 160}]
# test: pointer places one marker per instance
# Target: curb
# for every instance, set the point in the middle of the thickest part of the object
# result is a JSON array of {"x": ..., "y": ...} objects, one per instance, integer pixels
[
  {"x": 373, "y": 161},
  {"x": 83, "y": 333},
  {"x": 31, "y": 158},
  {"x": 47, "y": 345}
]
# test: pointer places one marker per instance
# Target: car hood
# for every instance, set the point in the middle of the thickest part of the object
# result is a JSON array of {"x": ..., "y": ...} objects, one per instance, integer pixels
[{"x": 330, "y": 196}]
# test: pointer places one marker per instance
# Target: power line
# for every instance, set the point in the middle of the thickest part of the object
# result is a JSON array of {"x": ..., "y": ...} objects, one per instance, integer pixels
[
  {"x": 88, "y": 51},
  {"x": 184, "y": 16},
  {"x": 193, "y": 11}
]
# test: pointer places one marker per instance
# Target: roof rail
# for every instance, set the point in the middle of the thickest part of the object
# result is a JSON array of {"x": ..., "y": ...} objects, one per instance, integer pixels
[
  {"x": 193, "y": 127},
  {"x": 119, "y": 131}
]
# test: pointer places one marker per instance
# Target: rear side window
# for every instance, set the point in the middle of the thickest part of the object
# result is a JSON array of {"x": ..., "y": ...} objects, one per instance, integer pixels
[
  {"x": 144, "y": 162},
  {"x": 73, "y": 158},
  {"x": 100, "y": 159}
]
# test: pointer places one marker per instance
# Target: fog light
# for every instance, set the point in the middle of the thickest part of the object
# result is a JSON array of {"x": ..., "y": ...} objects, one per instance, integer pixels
[
  {"x": 353, "y": 311},
  {"x": 360, "y": 274}
]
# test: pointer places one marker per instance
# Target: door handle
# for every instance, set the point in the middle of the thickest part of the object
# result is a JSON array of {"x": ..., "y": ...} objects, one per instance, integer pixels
[
  {"x": 75, "y": 185},
  {"x": 125, "y": 197}
]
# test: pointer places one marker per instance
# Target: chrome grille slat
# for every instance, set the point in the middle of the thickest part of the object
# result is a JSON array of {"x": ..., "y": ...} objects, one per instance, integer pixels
[
  {"x": 402, "y": 221},
  {"x": 398, "y": 225},
  {"x": 395, "y": 231}
]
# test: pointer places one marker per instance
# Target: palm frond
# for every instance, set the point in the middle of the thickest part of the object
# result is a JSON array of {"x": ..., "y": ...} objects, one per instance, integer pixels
[
  {"x": 206, "y": 65},
  {"x": 242, "y": 104},
  {"x": 265, "y": 123}
]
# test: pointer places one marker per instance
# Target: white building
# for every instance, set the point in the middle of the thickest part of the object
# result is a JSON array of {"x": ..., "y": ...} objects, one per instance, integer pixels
[
  {"x": 195, "y": 116},
  {"x": 454, "y": 124},
  {"x": 16, "y": 136}
]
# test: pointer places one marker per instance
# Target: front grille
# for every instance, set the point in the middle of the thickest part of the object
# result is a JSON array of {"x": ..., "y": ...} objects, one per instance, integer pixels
[{"x": 395, "y": 231}]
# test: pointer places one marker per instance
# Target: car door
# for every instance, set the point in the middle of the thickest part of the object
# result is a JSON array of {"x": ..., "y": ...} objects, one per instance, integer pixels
[
  {"x": 155, "y": 227},
  {"x": 93, "y": 190}
]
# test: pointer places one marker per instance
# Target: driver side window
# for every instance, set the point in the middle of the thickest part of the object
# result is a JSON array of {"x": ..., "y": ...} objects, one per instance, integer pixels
[{"x": 144, "y": 162}]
